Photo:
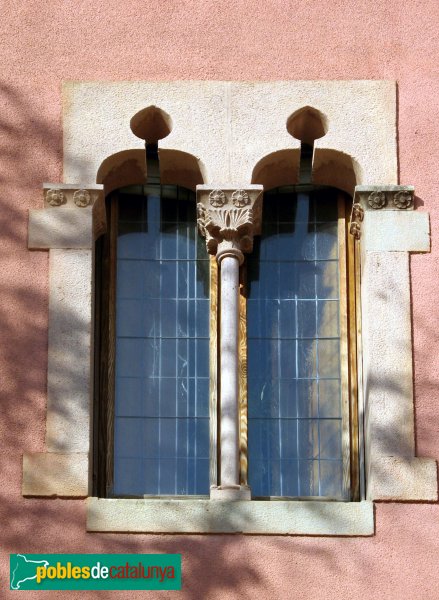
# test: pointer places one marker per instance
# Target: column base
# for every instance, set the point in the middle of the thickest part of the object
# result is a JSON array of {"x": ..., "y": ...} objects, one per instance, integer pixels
[{"x": 238, "y": 492}]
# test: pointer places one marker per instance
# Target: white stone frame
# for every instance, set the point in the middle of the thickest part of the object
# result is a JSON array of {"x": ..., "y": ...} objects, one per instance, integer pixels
[{"x": 228, "y": 128}]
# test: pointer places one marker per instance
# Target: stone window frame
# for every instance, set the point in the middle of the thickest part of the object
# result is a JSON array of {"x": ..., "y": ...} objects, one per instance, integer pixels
[{"x": 238, "y": 129}]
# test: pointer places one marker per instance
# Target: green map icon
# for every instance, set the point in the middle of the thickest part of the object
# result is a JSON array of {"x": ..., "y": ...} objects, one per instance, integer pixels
[{"x": 24, "y": 569}]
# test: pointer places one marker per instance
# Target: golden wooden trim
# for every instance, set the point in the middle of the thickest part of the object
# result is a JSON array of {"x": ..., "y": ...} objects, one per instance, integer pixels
[
  {"x": 242, "y": 366},
  {"x": 213, "y": 372},
  {"x": 344, "y": 348},
  {"x": 353, "y": 301},
  {"x": 359, "y": 369}
]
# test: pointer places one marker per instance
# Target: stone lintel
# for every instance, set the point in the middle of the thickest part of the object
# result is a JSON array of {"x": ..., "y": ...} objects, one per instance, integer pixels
[
  {"x": 55, "y": 474},
  {"x": 249, "y": 517}
]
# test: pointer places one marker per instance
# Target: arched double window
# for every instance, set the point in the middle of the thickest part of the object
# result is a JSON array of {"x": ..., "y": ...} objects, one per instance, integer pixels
[
  {"x": 158, "y": 429},
  {"x": 155, "y": 427},
  {"x": 390, "y": 230}
]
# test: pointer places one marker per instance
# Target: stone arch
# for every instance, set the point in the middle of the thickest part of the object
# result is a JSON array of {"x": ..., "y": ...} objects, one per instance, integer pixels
[
  {"x": 335, "y": 168},
  {"x": 330, "y": 167},
  {"x": 122, "y": 168},
  {"x": 129, "y": 168},
  {"x": 277, "y": 169}
]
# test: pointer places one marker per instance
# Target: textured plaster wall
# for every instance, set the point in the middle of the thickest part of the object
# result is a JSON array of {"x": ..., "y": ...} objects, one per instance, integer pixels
[
  {"x": 43, "y": 44},
  {"x": 231, "y": 126}
]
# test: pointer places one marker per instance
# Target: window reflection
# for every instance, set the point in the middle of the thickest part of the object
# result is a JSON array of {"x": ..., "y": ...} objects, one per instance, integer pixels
[
  {"x": 161, "y": 423},
  {"x": 294, "y": 397}
]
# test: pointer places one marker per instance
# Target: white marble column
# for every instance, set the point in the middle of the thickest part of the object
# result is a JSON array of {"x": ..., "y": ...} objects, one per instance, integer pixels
[
  {"x": 228, "y": 219},
  {"x": 229, "y": 278}
]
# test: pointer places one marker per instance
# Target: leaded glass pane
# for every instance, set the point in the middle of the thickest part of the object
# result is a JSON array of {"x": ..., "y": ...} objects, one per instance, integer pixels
[
  {"x": 161, "y": 423},
  {"x": 294, "y": 398}
]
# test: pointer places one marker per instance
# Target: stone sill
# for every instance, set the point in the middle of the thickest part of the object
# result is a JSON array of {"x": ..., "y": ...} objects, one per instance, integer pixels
[{"x": 248, "y": 517}]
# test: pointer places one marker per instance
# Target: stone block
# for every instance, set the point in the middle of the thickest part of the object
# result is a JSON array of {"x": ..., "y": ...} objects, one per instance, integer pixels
[
  {"x": 68, "y": 380},
  {"x": 395, "y": 231},
  {"x": 60, "y": 227},
  {"x": 55, "y": 474},
  {"x": 231, "y": 126},
  {"x": 398, "y": 478},
  {"x": 230, "y": 494},
  {"x": 387, "y": 354}
]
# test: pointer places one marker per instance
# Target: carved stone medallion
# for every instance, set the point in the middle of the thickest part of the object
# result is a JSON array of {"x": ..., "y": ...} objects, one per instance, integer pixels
[
  {"x": 217, "y": 198},
  {"x": 82, "y": 198},
  {"x": 55, "y": 197},
  {"x": 240, "y": 198},
  {"x": 377, "y": 200},
  {"x": 402, "y": 199}
]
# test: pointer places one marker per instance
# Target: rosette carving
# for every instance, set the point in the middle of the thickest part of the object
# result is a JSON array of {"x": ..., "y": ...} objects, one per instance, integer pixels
[
  {"x": 217, "y": 198},
  {"x": 82, "y": 198},
  {"x": 403, "y": 199},
  {"x": 240, "y": 198},
  {"x": 71, "y": 196},
  {"x": 377, "y": 200},
  {"x": 55, "y": 197}
]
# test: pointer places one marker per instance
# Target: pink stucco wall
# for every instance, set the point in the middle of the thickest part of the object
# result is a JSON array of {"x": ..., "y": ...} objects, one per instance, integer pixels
[{"x": 44, "y": 43}]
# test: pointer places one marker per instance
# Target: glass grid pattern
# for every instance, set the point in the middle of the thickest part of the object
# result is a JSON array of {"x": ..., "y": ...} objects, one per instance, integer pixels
[
  {"x": 161, "y": 429},
  {"x": 294, "y": 380}
]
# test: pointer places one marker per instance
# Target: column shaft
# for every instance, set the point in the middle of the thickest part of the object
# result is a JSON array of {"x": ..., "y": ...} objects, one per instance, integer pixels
[
  {"x": 229, "y": 435},
  {"x": 229, "y": 218}
]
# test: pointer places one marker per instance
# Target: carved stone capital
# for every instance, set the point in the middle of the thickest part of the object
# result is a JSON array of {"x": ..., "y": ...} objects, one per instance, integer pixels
[
  {"x": 379, "y": 197},
  {"x": 229, "y": 218}
]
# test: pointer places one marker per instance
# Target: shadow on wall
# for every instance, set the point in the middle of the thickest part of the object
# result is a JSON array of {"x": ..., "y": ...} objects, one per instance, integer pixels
[
  {"x": 30, "y": 146},
  {"x": 214, "y": 566},
  {"x": 30, "y": 152}
]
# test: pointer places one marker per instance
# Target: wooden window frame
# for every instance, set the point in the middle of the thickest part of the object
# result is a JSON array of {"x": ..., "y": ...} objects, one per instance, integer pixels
[{"x": 104, "y": 353}]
